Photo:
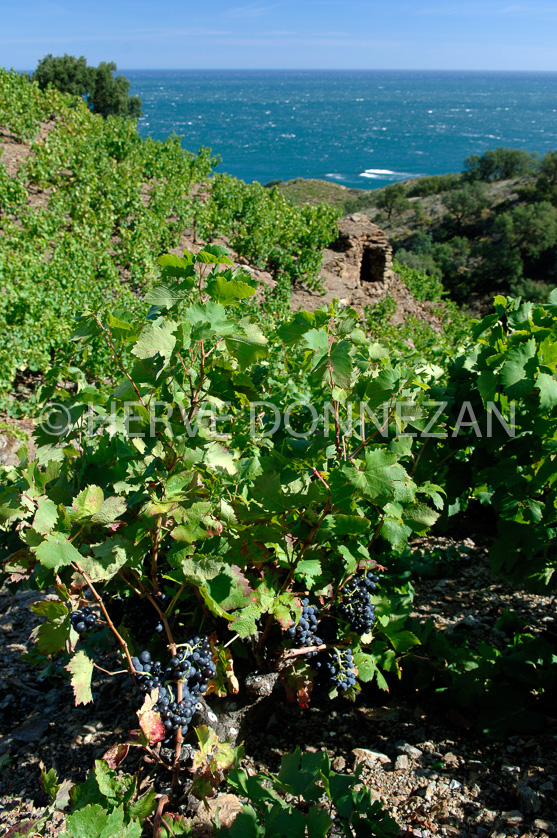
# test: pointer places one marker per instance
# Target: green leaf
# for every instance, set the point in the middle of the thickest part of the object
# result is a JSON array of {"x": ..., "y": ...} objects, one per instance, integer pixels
[
  {"x": 420, "y": 518},
  {"x": 144, "y": 806},
  {"x": 516, "y": 375},
  {"x": 93, "y": 821},
  {"x": 56, "y": 551},
  {"x": 156, "y": 338},
  {"x": 294, "y": 330},
  {"x": 109, "y": 557},
  {"x": 402, "y": 641},
  {"x": 168, "y": 295},
  {"x": 118, "y": 788},
  {"x": 547, "y": 385},
  {"x": 214, "y": 254},
  {"x": 111, "y": 509},
  {"x": 52, "y": 637},
  {"x": 220, "y": 458},
  {"x": 382, "y": 478},
  {"x": 45, "y": 516},
  {"x": 180, "y": 266},
  {"x": 487, "y": 385},
  {"x": 195, "y": 523},
  {"x": 318, "y": 822},
  {"x": 197, "y": 569},
  {"x": 341, "y": 363},
  {"x": 81, "y": 669},
  {"x": 309, "y": 570},
  {"x": 228, "y": 292},
  {"x": 316, "y": 339},
  {"x": 246, "y": 825},
  {"x": 395, "y": 532},
  {"x": 245, "y": 621},
  {"x": 49, "y": 779},
  {"x": 248, "y": 345},
  {"x": 366, "y": 666},
  {"x": 87, "y": 503}
]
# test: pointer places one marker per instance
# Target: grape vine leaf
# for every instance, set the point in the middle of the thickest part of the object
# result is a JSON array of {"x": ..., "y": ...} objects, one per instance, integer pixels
[
  {"x": 366, "y": 666},
  {"x": 87, "y": 503},
  {"x": 214, "y": 254},
  {"x": 56, "y": 551},
  {"x": 81, "y": 669},
  {"x": 228, "y": 291},
  {"x": 156, "y": 338},
  {"x": 248, "y": 344},
  {"x": 179, "y": 266},
  {"x": 547, "y": 385},
  {"x": 516, "y": 375},
  {"x": 150, "y": 720},
  {"x": 109, "y": 557},
  {"x": 341, "y": 364},
  {"x": 294, "y": 330},
  {"x": 168, "y": 295},
  {"x": 111, "y": 509},
  {"x": 195, "y": 524},
  {"x": 319, "y": 822},
  {"x": 420, "y": 518},
  {"x": 45, "y": 516},
  {"x": 94, "y": 821}
]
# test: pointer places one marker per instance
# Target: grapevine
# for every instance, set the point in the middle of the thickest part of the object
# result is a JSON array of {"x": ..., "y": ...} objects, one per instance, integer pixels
[{"x": 355, "y": 605}]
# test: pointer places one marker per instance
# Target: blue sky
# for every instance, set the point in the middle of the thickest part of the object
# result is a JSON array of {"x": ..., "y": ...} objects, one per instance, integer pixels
[{"x": 284, "y": 34}]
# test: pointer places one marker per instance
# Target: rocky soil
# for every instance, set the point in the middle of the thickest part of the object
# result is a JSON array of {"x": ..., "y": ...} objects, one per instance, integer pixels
[{"x": 433, "y": 771}]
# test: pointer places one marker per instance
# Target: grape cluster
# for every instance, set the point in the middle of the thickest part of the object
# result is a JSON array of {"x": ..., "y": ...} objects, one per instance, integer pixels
[
  {"x": 83, "y": 620},
  {"x": 304, "y": 631},
  {"x": 339, "y": 669},
  {"x": 355, "y": 605},
  {"x": 138, "y": 615},
  {"x": 192, "y": 666}
]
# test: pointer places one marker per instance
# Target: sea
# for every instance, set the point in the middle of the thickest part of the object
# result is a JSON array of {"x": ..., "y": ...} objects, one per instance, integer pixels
[{"x": 362, "y": 129}]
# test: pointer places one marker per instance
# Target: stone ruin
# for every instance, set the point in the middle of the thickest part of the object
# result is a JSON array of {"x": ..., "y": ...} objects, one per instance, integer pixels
[{"x": 361, "y": 254}]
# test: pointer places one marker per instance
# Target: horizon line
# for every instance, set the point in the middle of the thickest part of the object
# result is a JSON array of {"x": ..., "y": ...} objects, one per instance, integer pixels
[{"x": 316, "y": 70}]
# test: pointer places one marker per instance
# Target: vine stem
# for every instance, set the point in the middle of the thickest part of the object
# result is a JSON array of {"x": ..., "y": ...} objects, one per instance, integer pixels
[
  {"x": 155, "y": 556},
  {"x": 106, "y": 672},
  {"x": 112, "y": 627},
  {"x": 157, "y": 820},
  {"x": 179, "y": 686},
  {"x": 286, "y": 584},
  {"x": 296, "y": 653},
  {"x": 118, "y": 360}
]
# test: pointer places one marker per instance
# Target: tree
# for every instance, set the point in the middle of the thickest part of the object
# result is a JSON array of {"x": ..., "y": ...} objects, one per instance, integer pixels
[
  {"x": 531, "y": 228},
  {"x": 546, "y": 184},
  {"x": 393, "y": 199},
  {"x": 104, "y": 92},
  {"x": 467, "y": 203},
  {"x": 500, "y": 164}
]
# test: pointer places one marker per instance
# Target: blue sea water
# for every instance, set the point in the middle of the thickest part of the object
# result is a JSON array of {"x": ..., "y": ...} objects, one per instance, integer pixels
[{"x": 359, "y": 128}]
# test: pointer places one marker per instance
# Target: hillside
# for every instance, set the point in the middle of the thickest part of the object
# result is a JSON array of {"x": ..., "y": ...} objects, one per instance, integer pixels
[
  {"x": 286, "y": 525},
  {"x": 490, "y": 229},
  {"x": 86, "y": 208}
]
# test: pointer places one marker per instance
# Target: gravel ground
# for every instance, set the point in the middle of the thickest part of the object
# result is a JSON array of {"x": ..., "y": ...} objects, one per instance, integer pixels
[{"x": 435, "y": 774}]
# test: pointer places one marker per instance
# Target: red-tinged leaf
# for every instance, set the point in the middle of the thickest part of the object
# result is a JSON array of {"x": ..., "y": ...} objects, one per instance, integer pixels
[
  {"x": 150, "y": 720},
  {"x": 298, "y": 683},
  {"x": 136, "y": 738},
  {"x": 116, "y": 754},
  {"x": 242, "y": 582},
  {"x": 81, "y": 669},
  {"x": 225, "y": 681}
]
